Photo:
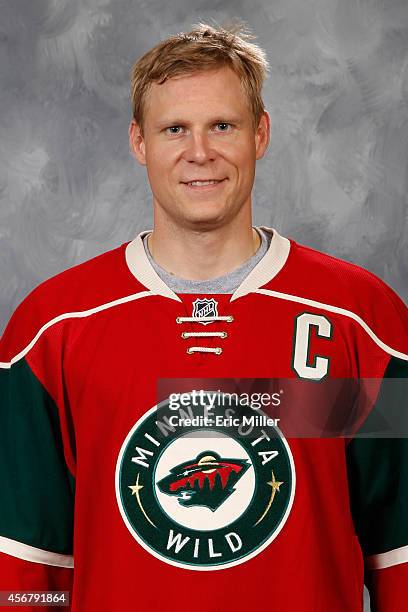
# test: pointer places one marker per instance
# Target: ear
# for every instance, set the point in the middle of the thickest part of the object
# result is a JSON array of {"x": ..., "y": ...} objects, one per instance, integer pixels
[
  {"x": 137, "y": 143},
  {"x": 262, "y": 134}
]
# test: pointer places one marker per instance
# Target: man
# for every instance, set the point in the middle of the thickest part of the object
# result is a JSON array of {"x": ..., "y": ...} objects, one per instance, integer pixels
[{"x": 160, "y": 509}]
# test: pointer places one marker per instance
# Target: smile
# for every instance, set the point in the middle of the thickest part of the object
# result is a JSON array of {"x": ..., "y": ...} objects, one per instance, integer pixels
[{"x": 204, "y": 185}]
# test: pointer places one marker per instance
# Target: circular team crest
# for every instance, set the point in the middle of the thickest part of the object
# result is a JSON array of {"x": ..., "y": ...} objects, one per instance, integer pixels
[{"x": 201, "y": 495}]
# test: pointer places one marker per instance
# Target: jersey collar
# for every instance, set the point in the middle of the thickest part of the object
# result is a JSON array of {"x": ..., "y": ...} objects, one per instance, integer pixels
[{"x": 264, "y": 271}]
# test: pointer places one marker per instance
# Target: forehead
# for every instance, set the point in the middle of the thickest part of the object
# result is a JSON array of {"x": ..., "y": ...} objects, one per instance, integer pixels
[{"x": 218, "y": 91}]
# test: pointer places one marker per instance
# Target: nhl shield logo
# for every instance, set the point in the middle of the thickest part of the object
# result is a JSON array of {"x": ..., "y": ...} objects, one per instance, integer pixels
[
  {"x": 202, "y": 498},
  {"x": 205, "y": 307}
]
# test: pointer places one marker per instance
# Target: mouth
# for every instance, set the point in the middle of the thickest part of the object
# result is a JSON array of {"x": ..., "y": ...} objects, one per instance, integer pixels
[{"x": 204, "y": 185}]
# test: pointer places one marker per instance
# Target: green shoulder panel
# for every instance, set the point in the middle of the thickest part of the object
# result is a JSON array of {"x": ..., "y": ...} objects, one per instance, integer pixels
[
  {"x": 378, "y": 467},
  {"x": 36, "y": 488}
]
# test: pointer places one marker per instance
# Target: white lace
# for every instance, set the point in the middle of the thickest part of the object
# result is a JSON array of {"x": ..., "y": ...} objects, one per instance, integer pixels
[
  {"x": 204, "y": 349},
  {"x": 204, "y": 334},
  {"x": 227, "y": 318}
]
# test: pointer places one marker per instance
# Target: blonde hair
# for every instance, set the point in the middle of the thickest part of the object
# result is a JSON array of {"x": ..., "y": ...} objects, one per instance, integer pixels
[{"x": 206, "y": 47}]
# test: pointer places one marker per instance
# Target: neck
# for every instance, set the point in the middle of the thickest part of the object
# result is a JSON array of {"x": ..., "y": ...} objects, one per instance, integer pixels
[{"x": 202, "y": 255}]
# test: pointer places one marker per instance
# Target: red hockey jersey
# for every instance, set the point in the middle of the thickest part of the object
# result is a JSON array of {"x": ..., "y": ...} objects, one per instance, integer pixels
[{"x": 116, "y": 485}]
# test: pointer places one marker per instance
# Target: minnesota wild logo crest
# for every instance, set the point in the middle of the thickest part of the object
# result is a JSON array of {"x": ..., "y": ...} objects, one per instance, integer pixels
[{"x": 204, "y": 497}]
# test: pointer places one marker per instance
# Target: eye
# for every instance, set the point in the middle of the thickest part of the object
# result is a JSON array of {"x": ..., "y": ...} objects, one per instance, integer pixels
[
  {"x": 224, "y": 126},
  {"x": 173, "y": 129}
]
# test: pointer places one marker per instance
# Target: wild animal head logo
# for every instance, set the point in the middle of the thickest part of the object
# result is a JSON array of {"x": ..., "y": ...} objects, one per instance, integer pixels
[{"x": 207, "y": 480}]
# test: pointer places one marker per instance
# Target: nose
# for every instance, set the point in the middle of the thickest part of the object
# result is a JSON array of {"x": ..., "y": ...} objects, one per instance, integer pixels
[{"x": 199, "y": 148}]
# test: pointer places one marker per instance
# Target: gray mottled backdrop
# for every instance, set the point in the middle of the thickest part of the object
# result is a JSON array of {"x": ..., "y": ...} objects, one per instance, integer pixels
[{"x": 335, "y": 176}]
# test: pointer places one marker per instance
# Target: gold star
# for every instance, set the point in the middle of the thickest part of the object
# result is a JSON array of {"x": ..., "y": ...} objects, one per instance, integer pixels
[
  {"x": 136, "y": 491},
  {"x": 136, "y": 487},
  {"x": 275, "y": 484}
]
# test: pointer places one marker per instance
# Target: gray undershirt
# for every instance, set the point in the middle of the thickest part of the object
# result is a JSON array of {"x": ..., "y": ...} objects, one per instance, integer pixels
[{"x": 227, "y": 283}]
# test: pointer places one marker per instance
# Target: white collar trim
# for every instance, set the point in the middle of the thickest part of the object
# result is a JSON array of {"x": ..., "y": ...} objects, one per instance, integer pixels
[{"x": 264, "y": 271}]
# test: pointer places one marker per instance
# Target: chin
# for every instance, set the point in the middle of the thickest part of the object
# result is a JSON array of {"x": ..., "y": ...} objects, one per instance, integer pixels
[{"x": 205, "y": 222}]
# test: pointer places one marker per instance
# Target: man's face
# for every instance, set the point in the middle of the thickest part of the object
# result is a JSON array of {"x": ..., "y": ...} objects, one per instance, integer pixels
[{"x": 199, "y": 127}]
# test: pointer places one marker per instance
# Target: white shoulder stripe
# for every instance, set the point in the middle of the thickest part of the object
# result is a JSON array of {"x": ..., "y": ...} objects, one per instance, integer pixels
[
  {"x": 35, "y": 555},
  {"x": 276, "y": 294},
  {"x": 336, "y": 309},
  {"x": 388, "y": 559},
  {"x": 73, "y": 315}
]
